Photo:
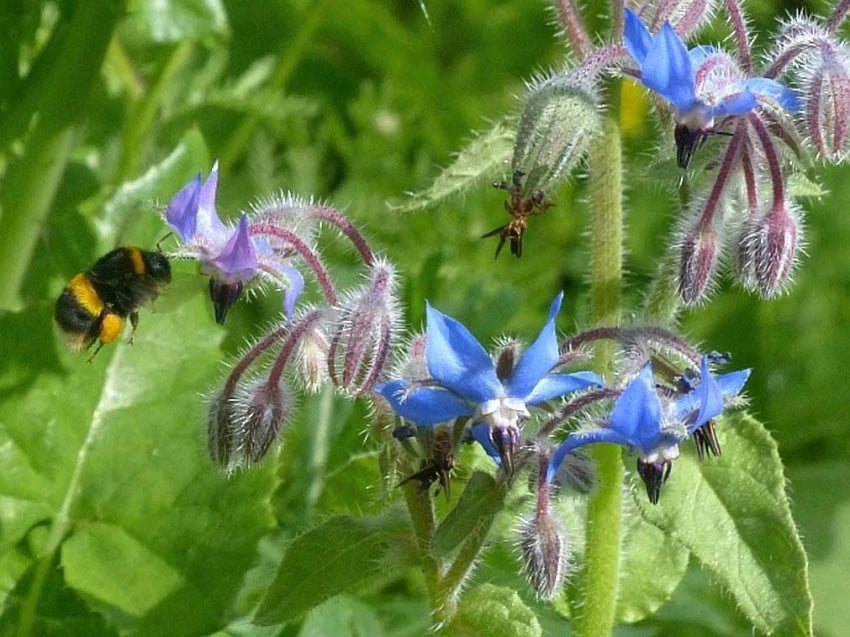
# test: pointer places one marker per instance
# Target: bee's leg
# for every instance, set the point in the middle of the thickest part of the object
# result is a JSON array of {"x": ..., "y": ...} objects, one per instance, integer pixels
[
  {"x": 134, "y": 322},
  {"x": 97, "y": 349},
  {"x": 93, "y": 332}
]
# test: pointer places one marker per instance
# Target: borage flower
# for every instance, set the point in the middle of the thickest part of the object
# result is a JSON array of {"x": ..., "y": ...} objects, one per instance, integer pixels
[
  {"x": 231, "y": 255},
  {"x": 652, "y": 424},
  {"x": 464, "y": 382},
  {"x": 703, "y": 85}
]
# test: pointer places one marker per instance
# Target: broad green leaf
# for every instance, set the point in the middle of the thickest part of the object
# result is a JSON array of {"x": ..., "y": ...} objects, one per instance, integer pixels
[
  {"x": 494, "y": 611},
  {"x": 480, "y": 501},
  {"x": 732, "y": 513},
  {"x": 111, "y": 457},
  {"x": 321, "y": 563},
  {"x": 484, "y": 158},
  {"x": 188, "y": 158},
  {"x": 165, "y": 22},
  {"x": 651, "y": 567},
  {"x": 343, "y": 616},
  {"x": 799, "y": 185}
]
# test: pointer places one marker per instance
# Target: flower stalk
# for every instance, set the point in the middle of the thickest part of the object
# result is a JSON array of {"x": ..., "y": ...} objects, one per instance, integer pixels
[{"x": 600, "y": 577}]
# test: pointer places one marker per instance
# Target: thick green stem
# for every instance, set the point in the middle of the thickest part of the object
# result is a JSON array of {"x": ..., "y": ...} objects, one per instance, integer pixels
[
  {"x": 33, "y": 178},
  {"x": 602, "y": 556},
  {"x": 421, "y": 510}
]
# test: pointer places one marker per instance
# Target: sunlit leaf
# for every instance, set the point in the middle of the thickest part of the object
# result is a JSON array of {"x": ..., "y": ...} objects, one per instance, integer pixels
[
  {"x": 732, "y": 513},
  {"x": 494, "y": 611},
  {"x": 484, "y": 158},
  {"x": 178, "y": 20},
  {"x": 480, "y": 501}
]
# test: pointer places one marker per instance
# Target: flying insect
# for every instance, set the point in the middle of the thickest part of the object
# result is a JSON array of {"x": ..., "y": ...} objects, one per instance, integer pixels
[
  {"x": 520, "y": 206},
  {"x": 94, "y": 305}
]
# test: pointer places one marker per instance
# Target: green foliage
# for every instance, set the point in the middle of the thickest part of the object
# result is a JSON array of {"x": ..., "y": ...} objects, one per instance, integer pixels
[
  {"x": 733, "y": 514},
  {"x": 112, "y": 519}
]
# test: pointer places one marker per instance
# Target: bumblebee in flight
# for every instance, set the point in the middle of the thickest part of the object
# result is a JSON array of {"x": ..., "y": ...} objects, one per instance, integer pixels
[{"x": 94, "y": 304}]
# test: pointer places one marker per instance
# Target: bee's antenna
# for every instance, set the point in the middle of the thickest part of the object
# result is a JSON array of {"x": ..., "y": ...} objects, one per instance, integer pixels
[{"x": 159, "y": 243}]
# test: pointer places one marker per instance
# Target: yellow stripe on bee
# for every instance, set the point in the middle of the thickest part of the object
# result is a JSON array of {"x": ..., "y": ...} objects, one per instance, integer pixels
[
  {"x": 85, "y": 294},
  {"x": 111, "y": 328},
  {"x": 136, "y": 257}
]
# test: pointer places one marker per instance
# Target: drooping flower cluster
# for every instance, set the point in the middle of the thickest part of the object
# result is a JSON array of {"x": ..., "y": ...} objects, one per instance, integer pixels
[
  {"x": 447, "y": 388},
  {"x": 344, "y": 340}
]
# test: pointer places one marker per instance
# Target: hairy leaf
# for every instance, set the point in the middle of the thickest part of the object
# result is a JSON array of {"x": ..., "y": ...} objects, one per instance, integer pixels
[
  {"x": 481, "y": 500},
  {"x": 732, "y": 513},
  {"x": 321, "y": 563},
  {"x": 494, "y": 611},
  {"x": 484, "y": 158}
]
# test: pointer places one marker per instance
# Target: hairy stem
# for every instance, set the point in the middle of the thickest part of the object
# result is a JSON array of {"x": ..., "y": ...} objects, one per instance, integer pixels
[
  {"x": 838, "y": 15},
  {"x": 421, "y": 510},
  {"x": 574, "y": 27},
  {"x": 347, "y": 228},
  {"x": 600, "y": 577},
  {"x": 742, "y": 38}
]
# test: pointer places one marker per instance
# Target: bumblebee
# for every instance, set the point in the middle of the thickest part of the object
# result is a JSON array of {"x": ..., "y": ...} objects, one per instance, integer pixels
[{"x": 94, "y": 304}]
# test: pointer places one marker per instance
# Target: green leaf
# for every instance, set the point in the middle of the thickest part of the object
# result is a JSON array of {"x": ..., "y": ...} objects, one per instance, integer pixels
[
  {"x": 650, "y": 570},
  {"x": 343, "y": 616},
  {"x": 177, "y": 20},
  {"x": 481, "y": 500},
  {"x": 321, "y": 563},
  {"x": 732, "y": 513},
  {"x": 799, "y": 185},
  {"x": 484, "y": 158},
  {"x": 494, "y": 611},
  {"x": 111, "y": 457}
]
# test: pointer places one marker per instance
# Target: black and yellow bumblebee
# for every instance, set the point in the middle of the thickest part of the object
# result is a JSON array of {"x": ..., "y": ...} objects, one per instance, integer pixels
[{"x": 94, "y": 304}]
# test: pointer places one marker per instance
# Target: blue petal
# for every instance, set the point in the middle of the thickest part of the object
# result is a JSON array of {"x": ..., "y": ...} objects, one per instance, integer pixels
[
  {"x": 208, "y": 222},
  {"x": 700, "y": 53},
  {"x": 423, "y": 405},
  {"x": 457, "y": 360},
  {"x": 732, "y": 383},
  {"x": 539, "y": 358},
  {"x": 294, "y": 290},
  {"x": 636, "y": 37},
  {"x": 667, "y": 69},
  {"x": 637, "y": 412},
  {"x": 735, "y": 105},
  {"x": 710, "y": 397},
  {"x": 481, "y": 433},
  {"x": 579, "y": 439},
  {"x": 787, "y": 98},
  {"x": 554, "y": 385},
  {"x": 237, "y": 259},
  {"x": 182, "y": 211}
]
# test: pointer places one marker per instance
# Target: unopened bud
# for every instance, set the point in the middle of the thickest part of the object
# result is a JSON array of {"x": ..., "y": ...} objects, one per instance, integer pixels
[
  {"x": 506, "y": 359},
  {"x": 768, "y": 250},
  {"x": 699, "y": 255},
  {"x": 312, "y": 358},
  {"x": 220, "y": 429},
  {"x": 828, "y": 107},
  {"x": 577, "y": 472},
  {"x": 366, "y": 321},
  {"x": 544, "y": 546}
]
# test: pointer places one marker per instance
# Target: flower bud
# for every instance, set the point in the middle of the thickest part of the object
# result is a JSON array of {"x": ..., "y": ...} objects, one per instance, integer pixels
[
  {"x": 311, "y": 360},
  {"x": 768, "y": 250},
  {"x": 364, "y": 326},
  {"x": 544, "y": 547},
  {"x": 220, "y": 430},
  {"x": 699, "y": 256},
  {"x": 828, "y": 107},
  {"x": 577, "y": 472}
]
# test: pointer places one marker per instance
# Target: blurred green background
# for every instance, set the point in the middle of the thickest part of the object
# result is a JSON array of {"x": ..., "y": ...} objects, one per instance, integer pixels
[{"x": 107, "y": 108}]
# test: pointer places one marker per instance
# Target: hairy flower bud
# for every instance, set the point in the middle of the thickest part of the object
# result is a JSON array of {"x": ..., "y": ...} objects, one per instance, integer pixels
[
  {"x": 699, "y": 256},
  {"x": 544, "y": 547},
  {"x": 768, "y": 250},
  {"x": 828, "y": 107},
  {"x": 577, "y": 472},
  {"x": 311, "y": 359},
  {"x": 242, "y": 428},
  {"x": 361, "y": 333}
]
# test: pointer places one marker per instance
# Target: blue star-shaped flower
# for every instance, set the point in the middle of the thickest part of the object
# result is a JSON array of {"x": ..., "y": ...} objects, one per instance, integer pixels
[
  {"x": 669, "y": 69},
  {"x": 464, "y": 383},
  {"x": 654, "y": 428},
  {"x": 230, "y": 255}
]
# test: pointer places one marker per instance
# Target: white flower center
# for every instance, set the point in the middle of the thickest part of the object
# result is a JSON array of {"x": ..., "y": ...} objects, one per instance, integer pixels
[
  {"x": 661, "y": 453},
  {"x": 503, "y": 412}
]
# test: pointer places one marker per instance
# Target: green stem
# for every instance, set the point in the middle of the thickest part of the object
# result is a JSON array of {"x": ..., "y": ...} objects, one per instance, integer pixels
[
  {"x": 602, "y": 557},
  {"x": 287, "y": 61},
  {"x": 421, "y": 510},
  {"x": 33, "y": 179}
]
